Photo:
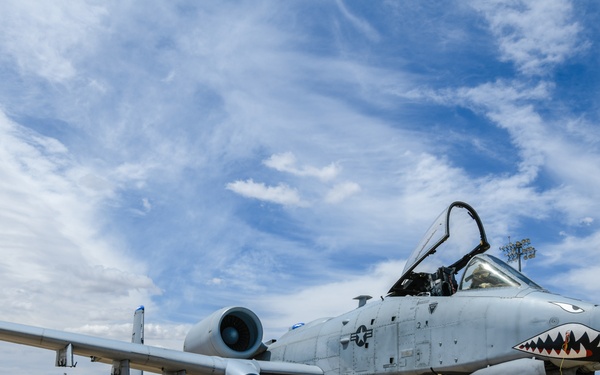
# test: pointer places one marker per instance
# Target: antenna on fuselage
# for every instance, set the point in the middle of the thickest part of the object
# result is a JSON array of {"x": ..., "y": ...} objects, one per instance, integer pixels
[{"x": 362, "y": 299}]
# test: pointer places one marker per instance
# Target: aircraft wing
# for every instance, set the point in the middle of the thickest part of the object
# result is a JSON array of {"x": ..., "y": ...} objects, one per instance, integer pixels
[{"x": 143, "y": 357}]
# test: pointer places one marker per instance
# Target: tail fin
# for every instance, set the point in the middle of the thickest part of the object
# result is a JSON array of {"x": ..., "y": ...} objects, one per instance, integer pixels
[{"x": 137, "y": 336}]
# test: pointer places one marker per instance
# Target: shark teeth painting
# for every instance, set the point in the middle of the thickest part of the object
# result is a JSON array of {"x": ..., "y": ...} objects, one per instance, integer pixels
[{"x": 569, "y": 341}]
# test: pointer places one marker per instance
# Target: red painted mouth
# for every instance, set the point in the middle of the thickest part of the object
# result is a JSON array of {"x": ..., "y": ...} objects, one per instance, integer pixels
[{"x": 569, "y": 341}]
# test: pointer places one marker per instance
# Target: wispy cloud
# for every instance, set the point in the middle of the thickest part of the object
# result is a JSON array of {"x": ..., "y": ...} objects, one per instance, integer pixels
[
  {"x": 286, "y": 162},
  {"x": 341, "y": 191},
  {"x": 360, "y": 24},
  {"x": 281, "y": 194},
  {"x": 329, "y": 299},
  {"x": 55, "y": 39},
  {"x": 535, "y": 36},
  {"x": 57, "y": 223},
  {"x": 132, "y": 140}
]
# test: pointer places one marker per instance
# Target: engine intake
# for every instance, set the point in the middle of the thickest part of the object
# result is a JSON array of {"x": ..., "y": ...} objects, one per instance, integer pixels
[{"x": 232, "y": 332}]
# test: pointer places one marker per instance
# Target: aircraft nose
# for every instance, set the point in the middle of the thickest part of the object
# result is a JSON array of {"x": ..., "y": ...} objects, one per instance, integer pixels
[
  {"x": 595, "y": 340},
  {"x": 596, "y": 317},
  {"x": 577, "y": 339},
  {"x": 580, "y": 339}
]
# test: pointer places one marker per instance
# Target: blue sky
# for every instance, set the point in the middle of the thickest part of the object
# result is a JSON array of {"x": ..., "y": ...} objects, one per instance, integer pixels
[{"x": 283, "y": 156}]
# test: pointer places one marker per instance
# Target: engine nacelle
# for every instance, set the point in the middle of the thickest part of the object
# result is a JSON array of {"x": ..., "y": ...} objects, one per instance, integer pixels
[{"x": 232, "y": 332}]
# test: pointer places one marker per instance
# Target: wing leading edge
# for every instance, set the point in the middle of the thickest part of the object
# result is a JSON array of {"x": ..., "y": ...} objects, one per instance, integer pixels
[{"x": 144, "y": 357}]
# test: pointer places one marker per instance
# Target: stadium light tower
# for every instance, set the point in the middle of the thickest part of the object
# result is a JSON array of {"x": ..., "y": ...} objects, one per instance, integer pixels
[{"x": 514, "y": 251}]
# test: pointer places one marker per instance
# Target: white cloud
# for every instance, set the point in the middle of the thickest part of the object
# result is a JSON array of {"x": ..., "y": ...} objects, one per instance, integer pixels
[
  {"x": 543, "y": 144},
  {"x": 341, "y": 192},
  {"x": 329, "y": 299},
  {"x": 215, "y": 281},
  {"x": 164, "y": 107},
  {"x": 53, "y": 243},
  {"x": 535, "y": 35},
  {"x": 162, "y": 335},
  {"x": 147, "y": 205},
  {"x": 286, "y": 162},
  {"x": 281, "y": 194},
  {"x": 579, "y": 249},
  {"x": 360, "y": 24},
  {"x": 580, "y": 281},
  {"x": 55, "y": 36}
]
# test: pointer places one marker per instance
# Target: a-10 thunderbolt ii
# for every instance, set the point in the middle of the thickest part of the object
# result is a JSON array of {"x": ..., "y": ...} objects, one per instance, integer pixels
[{"x": 477, "y": 315}]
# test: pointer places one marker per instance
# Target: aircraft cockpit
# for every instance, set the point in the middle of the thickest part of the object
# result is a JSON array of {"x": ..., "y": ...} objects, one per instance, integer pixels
[
  {"x": 481, "y": 274},
  {"x": 487, "y": 271},
  {"x": 457, "y": 233}
]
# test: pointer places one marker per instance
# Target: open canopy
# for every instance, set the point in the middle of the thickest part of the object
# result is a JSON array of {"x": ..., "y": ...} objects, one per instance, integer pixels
[{"x": 459, "y": 221}]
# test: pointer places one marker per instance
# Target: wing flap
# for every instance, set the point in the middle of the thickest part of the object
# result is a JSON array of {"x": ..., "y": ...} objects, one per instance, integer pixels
[{"x": 143, "y": 357}]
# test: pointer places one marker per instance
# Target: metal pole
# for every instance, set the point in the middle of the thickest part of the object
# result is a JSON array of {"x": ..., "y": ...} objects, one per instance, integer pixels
[
  {"x": 519, "y": 248},
  {"x": 514, "y": 251}
]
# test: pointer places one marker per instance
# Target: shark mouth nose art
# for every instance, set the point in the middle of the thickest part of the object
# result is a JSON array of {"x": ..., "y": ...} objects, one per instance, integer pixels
[{"x": 570, "y": 341}]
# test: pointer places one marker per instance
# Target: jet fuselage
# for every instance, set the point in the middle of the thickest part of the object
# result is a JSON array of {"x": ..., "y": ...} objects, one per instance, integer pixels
[{"x": 464, "y": 332}]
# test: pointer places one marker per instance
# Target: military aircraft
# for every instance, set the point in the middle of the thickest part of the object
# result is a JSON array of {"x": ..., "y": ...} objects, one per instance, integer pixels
[{"x": 494, "y": 321}]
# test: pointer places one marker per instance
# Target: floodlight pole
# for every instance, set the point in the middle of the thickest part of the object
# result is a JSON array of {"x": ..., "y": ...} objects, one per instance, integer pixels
[{"x": 514, "y": 251}]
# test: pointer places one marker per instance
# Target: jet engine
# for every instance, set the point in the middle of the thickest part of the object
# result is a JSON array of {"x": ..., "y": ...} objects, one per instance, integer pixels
[{"x": 232, "y": 332}]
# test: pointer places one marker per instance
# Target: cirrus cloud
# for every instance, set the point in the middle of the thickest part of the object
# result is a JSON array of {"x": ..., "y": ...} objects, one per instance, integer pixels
[
  {"x": 281, "y": 194},
  {"x": 286, "y": 162}
]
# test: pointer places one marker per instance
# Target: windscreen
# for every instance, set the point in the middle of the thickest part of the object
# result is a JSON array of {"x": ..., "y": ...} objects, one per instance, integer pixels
[{"x": 481, "y": 274}]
